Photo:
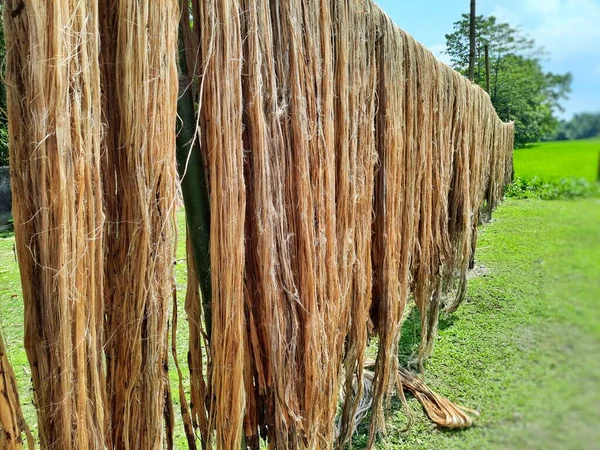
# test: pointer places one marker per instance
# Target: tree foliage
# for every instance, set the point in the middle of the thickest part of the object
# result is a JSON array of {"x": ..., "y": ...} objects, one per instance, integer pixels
[
  {"x": 520, "y": 88},
  {"x": 581, "y": 126}
]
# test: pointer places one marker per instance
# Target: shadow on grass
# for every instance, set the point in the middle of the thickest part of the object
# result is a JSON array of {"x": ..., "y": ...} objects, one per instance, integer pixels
[
  {"x": 410, "y": 337},
  {"x": 528, "y": 145}
]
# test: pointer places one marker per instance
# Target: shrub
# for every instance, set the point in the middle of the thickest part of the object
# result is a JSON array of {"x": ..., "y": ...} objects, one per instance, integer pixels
[{"x": 565, "y": 188}]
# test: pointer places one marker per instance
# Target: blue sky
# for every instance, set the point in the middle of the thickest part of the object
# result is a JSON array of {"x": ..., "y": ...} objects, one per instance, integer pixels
[{"x": 569, "y": 30}]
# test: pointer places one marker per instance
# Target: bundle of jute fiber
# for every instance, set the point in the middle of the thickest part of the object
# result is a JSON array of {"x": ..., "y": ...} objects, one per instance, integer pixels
[
  {"x": 394, "y": 201},
  {"x": 357, "y": 31},
  {"x": 222, "y": 106},
  {"x": 346, "y": 171},
  {"x": 432, "y": 247},
  {"x": 54, "y": 112},
  {"x": 139, "y": 82},
  {"x": 366, "y": 163},
  {"x": 12, "y": 422},
  {"x": 300, "y": 374}
]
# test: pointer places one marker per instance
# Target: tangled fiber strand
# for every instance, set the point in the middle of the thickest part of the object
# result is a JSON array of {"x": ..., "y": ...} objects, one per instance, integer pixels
[
  {"x": 198, "y": 372},
  {"x": 355, "y": 115},
  {"x": 264, "y": 168},
  {"x": 139, "y": 48},
  {"x": 393, "y": 203},
  {"x": 186, "y": 414},
  {"x": 54, "y": 111},
  {"x": 439, "y": 409},
  {"x": 12, "y": 422}
]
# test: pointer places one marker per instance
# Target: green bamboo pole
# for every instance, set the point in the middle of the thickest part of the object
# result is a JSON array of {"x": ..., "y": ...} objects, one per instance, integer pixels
[{"x": 194, "y": 187}]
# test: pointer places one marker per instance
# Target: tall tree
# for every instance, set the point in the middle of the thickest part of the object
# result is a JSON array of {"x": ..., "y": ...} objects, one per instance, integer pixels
[
  {"x": 519, "y": 87},
  {"x": 472, "y": 42},
  {"x": 487, "y": 68},
  {"x": 3, "y": 121}
]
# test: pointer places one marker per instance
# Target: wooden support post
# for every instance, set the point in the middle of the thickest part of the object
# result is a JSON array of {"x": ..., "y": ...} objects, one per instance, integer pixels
[{"x": 472, "y": 42}]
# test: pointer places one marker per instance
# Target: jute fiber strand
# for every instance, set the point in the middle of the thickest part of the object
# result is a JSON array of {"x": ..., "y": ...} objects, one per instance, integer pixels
[
  {"x": 347, "y": 169},
  {"x": 12, "y": 422},
  {"x": 219, "y": 23},
  {"x": 139, "y": 50},
  {"x": 54, "y": 111},
  {"x": 393, "y": 201},
  {"x": 355, "y": 131}
]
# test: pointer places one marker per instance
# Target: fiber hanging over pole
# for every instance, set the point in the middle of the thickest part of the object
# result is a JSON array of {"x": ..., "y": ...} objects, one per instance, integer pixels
[
  {"x": 221, "y": 113},
  {"x": 366, "y": 162},
  {"x": 341, "y": 172}
]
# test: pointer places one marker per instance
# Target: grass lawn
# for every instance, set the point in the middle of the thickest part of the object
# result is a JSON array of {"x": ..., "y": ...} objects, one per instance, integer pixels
[
  {"x": 522, "y": 349},
  {"x": 552, "y": 161}
]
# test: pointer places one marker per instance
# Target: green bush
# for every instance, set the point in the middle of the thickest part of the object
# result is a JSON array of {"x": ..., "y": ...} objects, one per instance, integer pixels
[
  {"x": 565, "y": 188},
  {"x": 3, "y": 145}
]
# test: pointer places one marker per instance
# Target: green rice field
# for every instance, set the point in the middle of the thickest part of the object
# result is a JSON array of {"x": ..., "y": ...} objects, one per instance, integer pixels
[{"x": 552, "y": 161}]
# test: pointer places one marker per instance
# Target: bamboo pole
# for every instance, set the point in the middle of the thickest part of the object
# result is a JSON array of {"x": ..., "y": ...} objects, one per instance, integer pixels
[{"x": 194, "y": 187}]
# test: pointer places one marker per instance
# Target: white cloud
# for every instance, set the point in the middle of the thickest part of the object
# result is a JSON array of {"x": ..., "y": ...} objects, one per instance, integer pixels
[
  {"x": 438, "y": 51},
  {"x": 564, "y": 28},
  {"x": 543, "y": 7},
  {"x": 506, "y": 15}
]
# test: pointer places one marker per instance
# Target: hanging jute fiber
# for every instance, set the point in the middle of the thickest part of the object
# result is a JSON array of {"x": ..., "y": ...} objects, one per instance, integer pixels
[
  {"x": 55, "y": 127},
  {"x": 92, "y": 125},
  {"x": 334, "y": 175},
  {"x": 139, "y": 83},
  {"x": 12, "y": 423},
  {"x": 365, "y": 165}
]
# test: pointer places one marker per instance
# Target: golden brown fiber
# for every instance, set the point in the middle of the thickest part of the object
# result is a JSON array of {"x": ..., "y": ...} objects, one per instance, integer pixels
[
  {"x": 54, "y": 111},
  {"x": 348, "y": 171},
  {"x": 365, "y": 165},
  {"x": 222, "y": 106},
  {"x": 12, "y": 422},
  {"x": 139, "y": 45}
]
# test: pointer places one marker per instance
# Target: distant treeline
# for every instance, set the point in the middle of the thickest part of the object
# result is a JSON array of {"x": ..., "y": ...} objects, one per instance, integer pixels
[{"x": 581, "y": 126}]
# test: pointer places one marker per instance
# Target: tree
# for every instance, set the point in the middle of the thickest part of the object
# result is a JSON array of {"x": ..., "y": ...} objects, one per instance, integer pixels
[
  {"x": 581, "y": 126},
  {"x": 3, "y": 120},
  {"x": 519, "y": 87}
]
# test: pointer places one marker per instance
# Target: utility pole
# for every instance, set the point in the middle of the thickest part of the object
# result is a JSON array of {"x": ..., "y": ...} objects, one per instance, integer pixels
[
  {"x": 472, "y": 43},
  {"x": 487, "y": 69}
]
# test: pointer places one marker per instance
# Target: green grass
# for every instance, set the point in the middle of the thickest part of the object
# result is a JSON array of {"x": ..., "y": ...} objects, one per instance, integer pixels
[
  {"x": 552, "y": 161},
  {"x": 523, "y": 348}
]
